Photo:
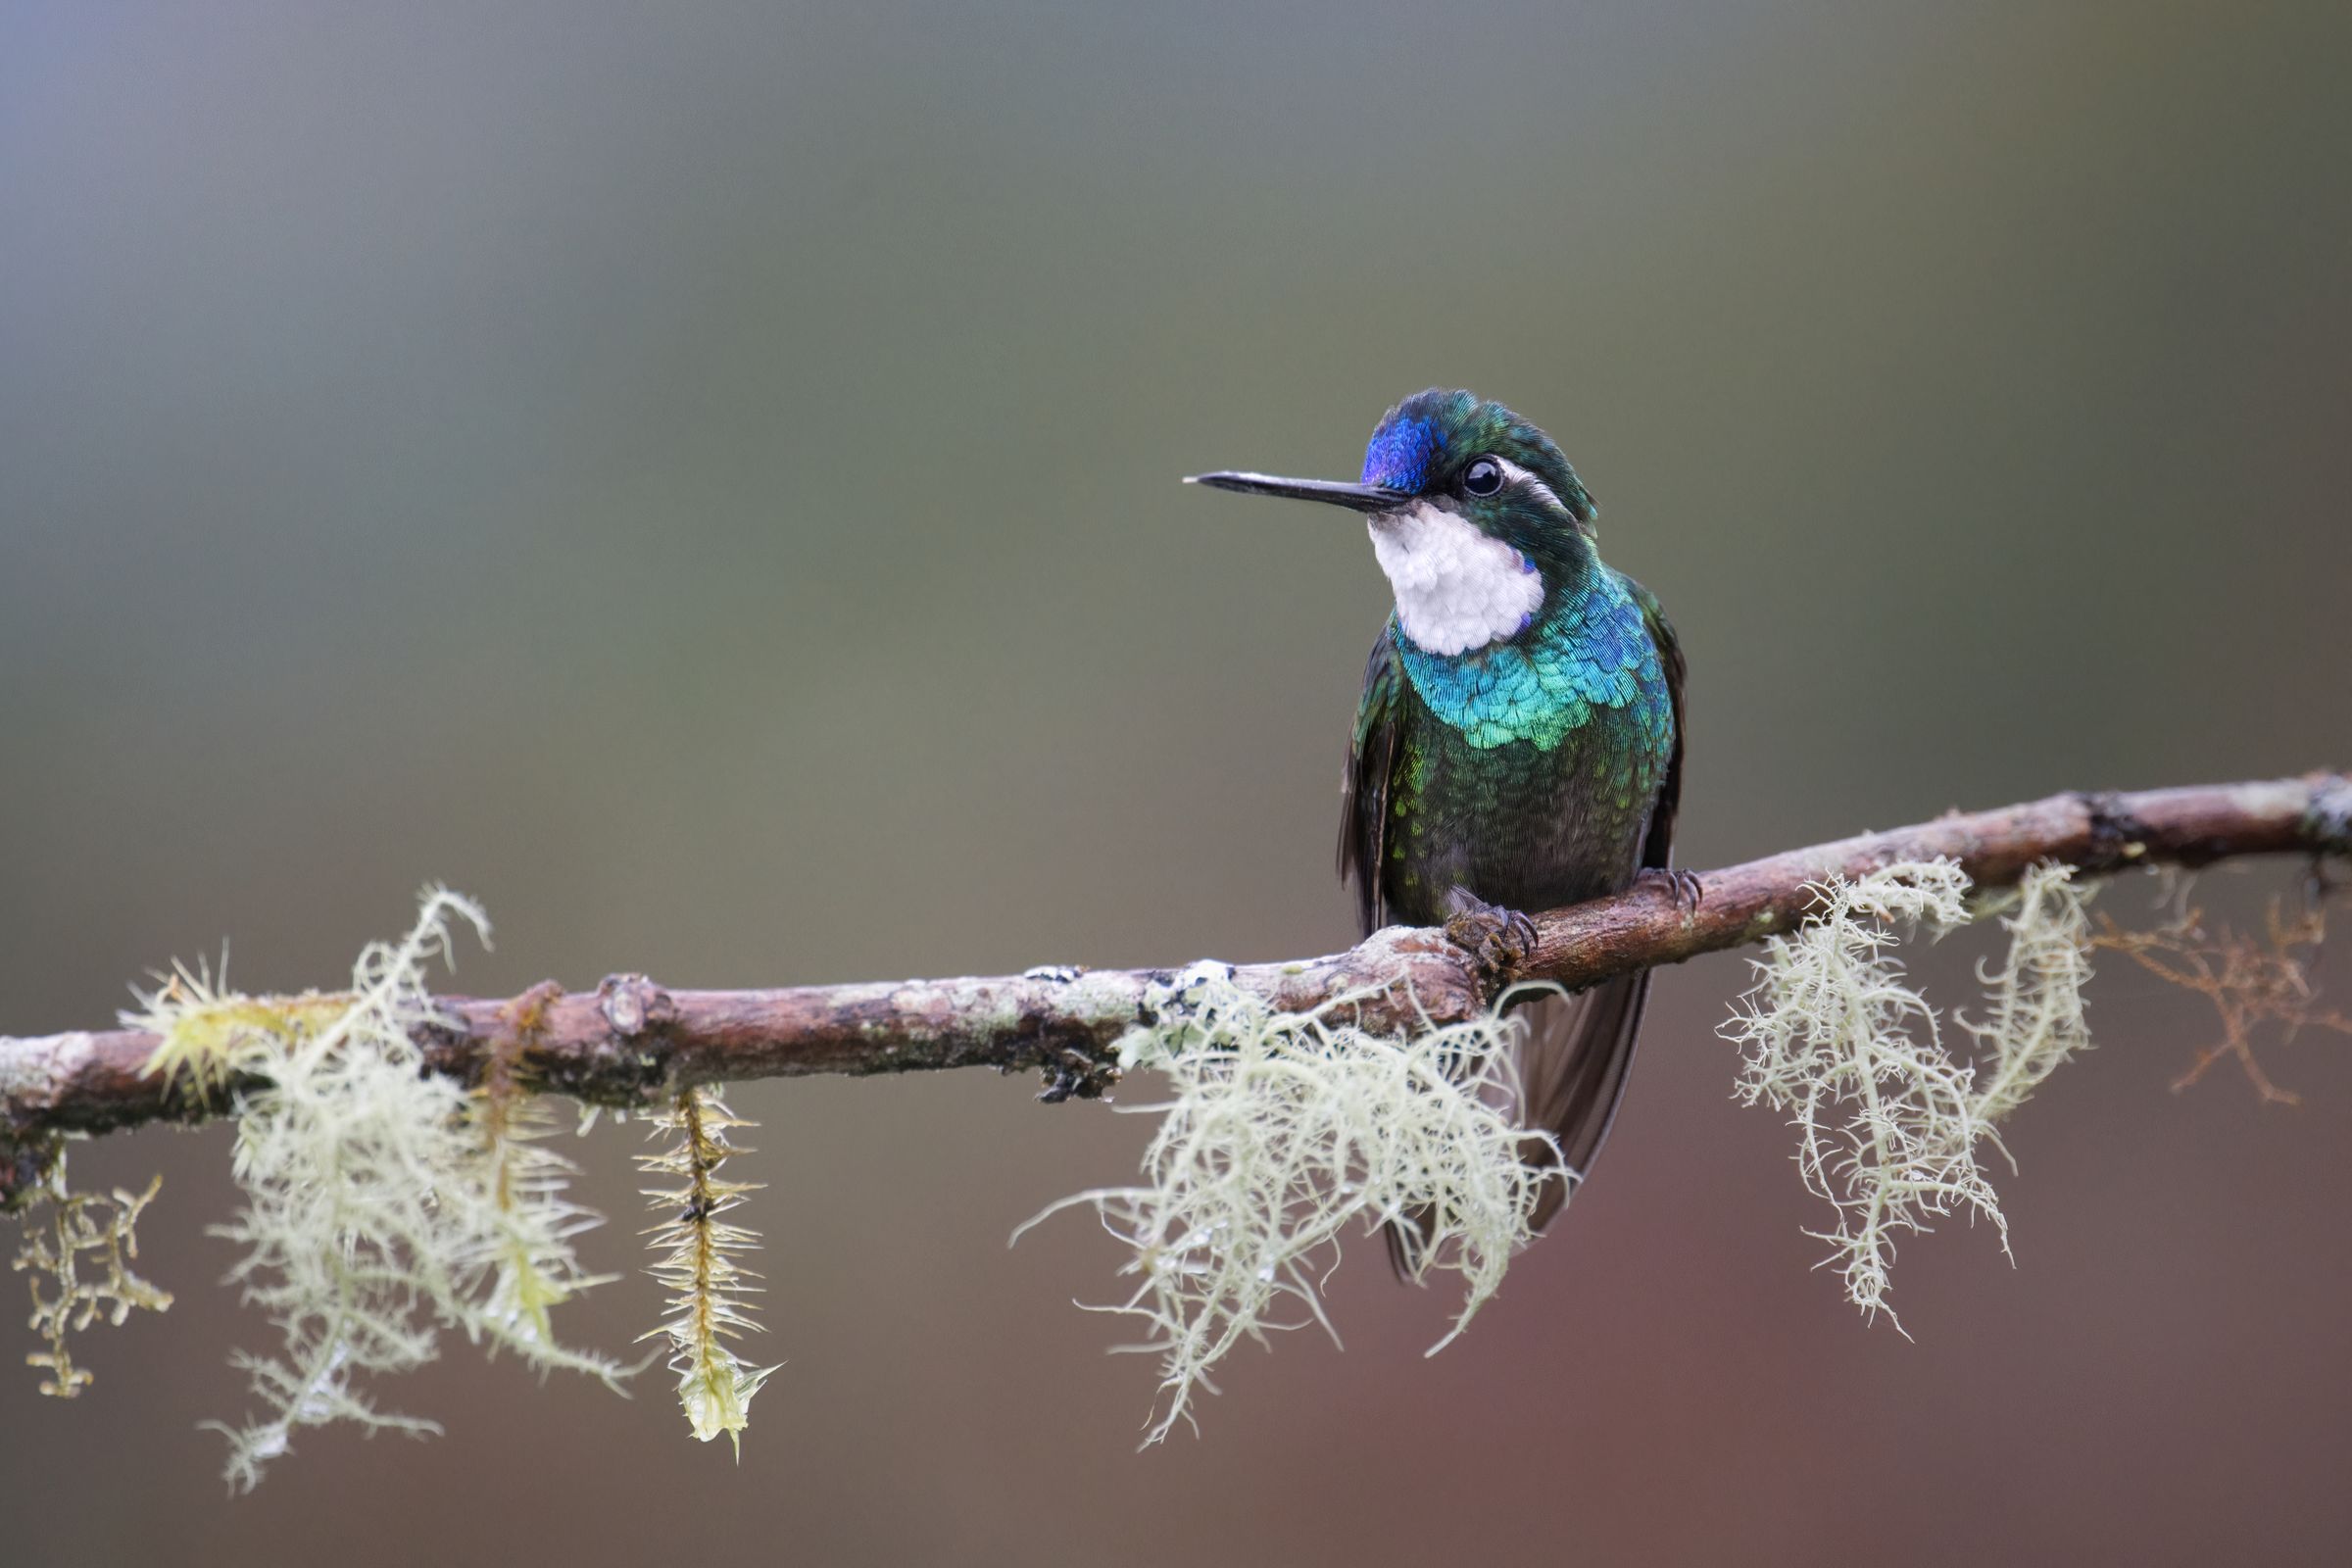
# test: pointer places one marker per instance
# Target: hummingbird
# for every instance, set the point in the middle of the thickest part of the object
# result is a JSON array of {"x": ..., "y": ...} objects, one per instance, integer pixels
[{"x": 1519, "y": 742}]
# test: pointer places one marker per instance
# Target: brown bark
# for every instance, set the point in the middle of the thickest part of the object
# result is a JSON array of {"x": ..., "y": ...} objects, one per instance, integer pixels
[{"x": 632, "y": 1041}]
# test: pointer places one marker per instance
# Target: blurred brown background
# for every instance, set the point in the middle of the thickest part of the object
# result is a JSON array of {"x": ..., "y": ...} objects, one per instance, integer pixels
[{"x": 703, "y": 479}]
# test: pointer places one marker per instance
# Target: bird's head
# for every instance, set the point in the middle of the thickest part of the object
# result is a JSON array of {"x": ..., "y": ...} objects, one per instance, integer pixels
[{"x": 1475, "y": 516}]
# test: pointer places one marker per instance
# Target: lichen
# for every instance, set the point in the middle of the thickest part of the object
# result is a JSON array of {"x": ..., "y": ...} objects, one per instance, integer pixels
[
  {"x": 80, "y": 1248},
  {"x": 1283, "y": 1134},
  {"x": 379, "y": 1206},
  {"x": 1888, "y": 1117},
  {"x": 2035, "y": 1019},
  {"x": 699, "y": 1264}
]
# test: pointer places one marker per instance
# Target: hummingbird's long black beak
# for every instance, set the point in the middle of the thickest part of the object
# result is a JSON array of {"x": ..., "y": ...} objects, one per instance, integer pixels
[{"x": 1355, "y": 497}]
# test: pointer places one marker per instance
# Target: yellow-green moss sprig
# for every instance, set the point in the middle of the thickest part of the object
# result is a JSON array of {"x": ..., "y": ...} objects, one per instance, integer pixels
[{"x": 699, "y": 1264}]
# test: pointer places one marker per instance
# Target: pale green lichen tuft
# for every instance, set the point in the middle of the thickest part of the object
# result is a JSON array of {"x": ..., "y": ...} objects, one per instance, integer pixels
[
  {"x": 698, "y": 1263},
  {"x": 1887, "y": 1117},
  {"x": 79, "y": 1247},
  {"x": 2035, "y": 1010},
  {"x": 1283, "y": 1134},
  {"x": 380, "y": 1205}
]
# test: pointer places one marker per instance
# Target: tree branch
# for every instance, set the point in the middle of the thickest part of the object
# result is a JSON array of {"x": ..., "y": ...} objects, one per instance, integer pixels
[{"x": 631, "y": 1042}]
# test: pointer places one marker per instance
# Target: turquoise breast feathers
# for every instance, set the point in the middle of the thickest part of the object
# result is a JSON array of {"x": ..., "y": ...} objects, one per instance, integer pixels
[{"x": 1592, "y": 652}]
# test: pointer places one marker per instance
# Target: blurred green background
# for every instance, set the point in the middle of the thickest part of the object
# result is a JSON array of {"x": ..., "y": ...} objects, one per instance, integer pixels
[{"x": 702, "y": 479}]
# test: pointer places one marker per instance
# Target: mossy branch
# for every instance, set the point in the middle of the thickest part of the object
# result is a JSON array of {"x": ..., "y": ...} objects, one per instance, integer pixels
[{"x": 632, "y": 1041}]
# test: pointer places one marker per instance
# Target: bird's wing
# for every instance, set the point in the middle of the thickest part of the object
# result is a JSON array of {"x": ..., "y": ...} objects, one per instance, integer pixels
[
  {"x": 1657, "y": 844},
  {"x": 1372, "y": 757},
  {"x": 1578, "y": 1052}
]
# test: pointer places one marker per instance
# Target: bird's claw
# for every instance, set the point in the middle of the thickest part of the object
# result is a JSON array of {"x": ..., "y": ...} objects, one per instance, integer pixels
[
  {"x": 1684, "y": 887},
  {"x": 1500, "y": 939}
]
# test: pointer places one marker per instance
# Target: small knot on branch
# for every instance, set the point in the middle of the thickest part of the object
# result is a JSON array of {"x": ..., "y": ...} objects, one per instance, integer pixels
[
  {"x": 636, "y": 1015},
  {"x": 2118, "y": 837},
  {"x": 631, "y": 1004}
]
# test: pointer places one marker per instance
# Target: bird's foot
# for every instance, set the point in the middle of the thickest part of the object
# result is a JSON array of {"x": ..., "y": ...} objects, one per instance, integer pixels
[
  {"x": 1682, "y": 886},
  {"x": 1500, "y": 939}
]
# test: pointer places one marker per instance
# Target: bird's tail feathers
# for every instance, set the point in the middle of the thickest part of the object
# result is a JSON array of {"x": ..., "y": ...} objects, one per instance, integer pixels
[{"x": 1573, "y": 1064}]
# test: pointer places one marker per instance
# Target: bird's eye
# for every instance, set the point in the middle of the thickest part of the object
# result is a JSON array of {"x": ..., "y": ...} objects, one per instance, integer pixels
[{"x": 1483, "y": 478}]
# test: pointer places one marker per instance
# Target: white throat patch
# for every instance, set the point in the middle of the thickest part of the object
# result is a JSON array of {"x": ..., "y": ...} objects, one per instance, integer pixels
[{"x": 1456, "y": 588}]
